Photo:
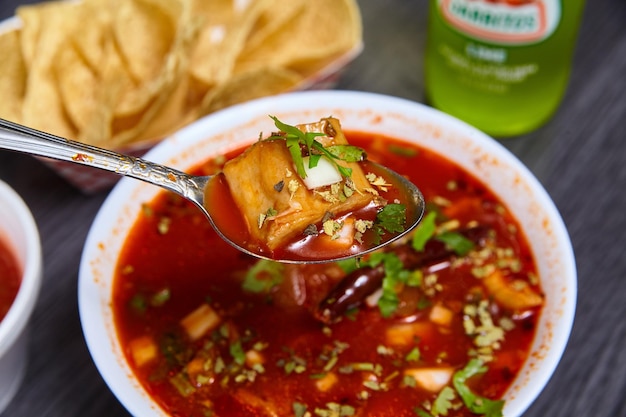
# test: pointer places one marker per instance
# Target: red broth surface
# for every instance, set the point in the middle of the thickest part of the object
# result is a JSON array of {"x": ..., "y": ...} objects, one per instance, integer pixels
[
  {"x": 206, "y": 340},
  {"x": 10, "y": 278}
]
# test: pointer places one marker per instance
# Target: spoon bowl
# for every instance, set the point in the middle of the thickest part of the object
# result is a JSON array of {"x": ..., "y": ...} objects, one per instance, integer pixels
[{"x": 24, "y": 139}]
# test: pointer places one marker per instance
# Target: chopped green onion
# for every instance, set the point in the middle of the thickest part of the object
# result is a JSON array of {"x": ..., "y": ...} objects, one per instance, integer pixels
[
  {"x": 160, "y": 297},
  {"x": 263, "y": 276}
]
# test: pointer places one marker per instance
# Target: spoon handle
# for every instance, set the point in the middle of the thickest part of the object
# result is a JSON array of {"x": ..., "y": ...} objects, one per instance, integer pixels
[{"x": 23, "y": 139}]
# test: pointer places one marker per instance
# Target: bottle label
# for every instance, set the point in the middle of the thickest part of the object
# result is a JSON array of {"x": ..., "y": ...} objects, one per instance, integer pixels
[{"x": 505, "y": 22}]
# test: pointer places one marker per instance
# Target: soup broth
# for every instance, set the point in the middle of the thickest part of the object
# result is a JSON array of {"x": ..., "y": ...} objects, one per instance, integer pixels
[{"x": 438, "y": 325}]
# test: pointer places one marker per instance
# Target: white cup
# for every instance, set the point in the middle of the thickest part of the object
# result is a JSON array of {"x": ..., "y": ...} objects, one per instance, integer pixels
[{"x": 19, "y": 232}]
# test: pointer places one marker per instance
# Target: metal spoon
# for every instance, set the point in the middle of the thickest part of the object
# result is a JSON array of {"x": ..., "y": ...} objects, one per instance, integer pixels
[{"x": 23, "y": 139}]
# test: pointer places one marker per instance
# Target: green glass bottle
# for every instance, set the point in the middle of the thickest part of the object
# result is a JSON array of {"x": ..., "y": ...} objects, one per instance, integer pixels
[{"x": 500, "y": 65}]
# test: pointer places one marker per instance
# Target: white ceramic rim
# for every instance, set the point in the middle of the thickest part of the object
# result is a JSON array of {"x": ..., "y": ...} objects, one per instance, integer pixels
[
  {"x": 487, "y": 159},
  {"x": 29, "y": 256}
]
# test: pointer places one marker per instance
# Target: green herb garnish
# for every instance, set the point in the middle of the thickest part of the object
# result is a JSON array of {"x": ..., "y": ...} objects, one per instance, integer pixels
[
  {"x": 476, "y": 404},
  {"x": 420, "y": 412},
  {"x": 457, "y": 242},
  {"x": 297, "y": 141},
  {"x": 443, "y": 402},
  {"x": 236, "y": 351},
  {"x": 299, "y": 409},
  {"x": 347, "y": 153},
  {"x": 335, "y": 410},
  {"x": 424, "y": 231},
  {"x": 350, "y": 265},
  {"x": 391, "y": 218},
  {"x": 427, "y": 229},
  {"x": 395, "y": 274},
  {"x": 413, "y": 355}
]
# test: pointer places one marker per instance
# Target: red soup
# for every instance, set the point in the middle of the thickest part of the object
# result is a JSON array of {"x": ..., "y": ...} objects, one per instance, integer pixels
[
  {"x": 10, "y": 278},
  {"x": 440, "y": 324}
]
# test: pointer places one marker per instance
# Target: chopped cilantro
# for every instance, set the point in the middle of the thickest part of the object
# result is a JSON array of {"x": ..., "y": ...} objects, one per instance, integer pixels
[
  {"x": 349, "y": 265},
  {"x": 424, "y": 231},
  {"x": 347, "y": 153},
  {"x": 427, "y": 229},
  {"x": 420, "y": 412},
  {"x": 271, "y": 212},
  {"x": 263, "y": 276},
  {"x": 391, "y": 218},
  {"x": 236, "y": 351},
  {"x": 475, "y": 403},
  {"x": 388, "y": 302},
  {"x": 296, "y": 140},
  {"x": 457, "y": 242},
  {"x": 415, "y": 278},
  {"x": 335, "y": 410},
  {"x": 394, "y": 275},
  {"x": 413, "y": 355},
  {"x": 443, "y": 402},
  {"x": 299, "y": 409}
]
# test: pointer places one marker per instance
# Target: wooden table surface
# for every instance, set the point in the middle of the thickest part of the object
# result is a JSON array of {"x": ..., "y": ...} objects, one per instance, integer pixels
[{"x": 579, "y": 156}]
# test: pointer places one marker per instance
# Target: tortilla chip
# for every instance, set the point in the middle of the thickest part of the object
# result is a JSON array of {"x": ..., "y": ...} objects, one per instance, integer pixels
[
  {"x": 322, "y": 29},
  {"x": 12, "y": 77},
  {"x": 247, "y": 86},
  {"x": 225, "y": 27},
  {"x": 172, "y": 116},
  {"x": 153, "y": 28},
  {"x": 174, "y": 71},
  {"x": 42, "y": 107},
  {"x": 92, "y": 31},
  {"x": 276, "y": 14},
  {"x": 77, "y": 84}
]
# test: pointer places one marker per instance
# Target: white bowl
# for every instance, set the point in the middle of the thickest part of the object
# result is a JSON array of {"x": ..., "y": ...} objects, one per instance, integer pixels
[
  {"x": 468, "y": 147},
  {"x": 19, "y": 231}
]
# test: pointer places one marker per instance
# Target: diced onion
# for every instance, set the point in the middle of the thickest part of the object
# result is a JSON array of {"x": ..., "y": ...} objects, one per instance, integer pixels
[
  {"x": 323, "y": 174},
  {"x": 441, "y": 315},
  {"x": 325, "y": 383},
  {"x": 143, "y": 350},
  {"x": 253, "y": 358},
  {"x": 431, "y": 379},
  {"x": 405, "y": 334},
  {"x": 200, "y": 321}
]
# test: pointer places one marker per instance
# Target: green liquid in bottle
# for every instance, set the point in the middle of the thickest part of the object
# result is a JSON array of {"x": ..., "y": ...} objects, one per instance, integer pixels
[{"x": 499, "y": 66}]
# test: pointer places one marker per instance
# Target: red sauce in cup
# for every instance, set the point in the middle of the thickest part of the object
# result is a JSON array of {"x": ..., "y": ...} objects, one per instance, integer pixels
[{"x": 10, "y": 278}]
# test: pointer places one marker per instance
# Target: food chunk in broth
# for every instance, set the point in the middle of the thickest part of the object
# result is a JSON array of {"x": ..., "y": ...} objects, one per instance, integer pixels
[{"x": 276, "y": 202}]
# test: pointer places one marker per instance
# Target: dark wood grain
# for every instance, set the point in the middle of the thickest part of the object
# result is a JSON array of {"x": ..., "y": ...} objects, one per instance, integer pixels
[{"x": 579, "y": 156}]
